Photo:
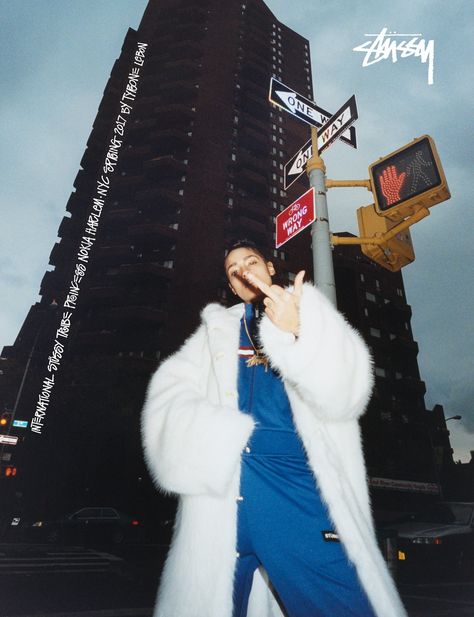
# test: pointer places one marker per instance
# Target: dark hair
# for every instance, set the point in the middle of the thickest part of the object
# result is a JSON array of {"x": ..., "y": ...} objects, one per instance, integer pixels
[{"x": 246, "y": 243}]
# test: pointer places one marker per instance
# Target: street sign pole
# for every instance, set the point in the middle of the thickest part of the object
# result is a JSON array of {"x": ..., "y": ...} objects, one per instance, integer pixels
[{"x": 320, "y": 234}]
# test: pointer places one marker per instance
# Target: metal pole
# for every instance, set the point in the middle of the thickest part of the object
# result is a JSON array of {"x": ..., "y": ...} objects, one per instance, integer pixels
[{"x": 321, "y": 237}]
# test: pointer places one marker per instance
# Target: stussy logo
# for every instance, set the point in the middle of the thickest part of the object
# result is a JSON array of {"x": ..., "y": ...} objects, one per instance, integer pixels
[{"x": 383, "y": 47}]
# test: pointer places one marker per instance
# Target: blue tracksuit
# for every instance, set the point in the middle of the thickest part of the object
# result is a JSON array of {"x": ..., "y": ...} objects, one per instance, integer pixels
[{"x": 282, "y": 521}]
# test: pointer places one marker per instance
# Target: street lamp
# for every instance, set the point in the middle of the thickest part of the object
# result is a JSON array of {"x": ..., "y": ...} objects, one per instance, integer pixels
[{"x": 453, "y": 418}]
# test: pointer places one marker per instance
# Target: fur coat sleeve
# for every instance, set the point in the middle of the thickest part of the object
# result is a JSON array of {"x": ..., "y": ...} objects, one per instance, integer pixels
[
  {"x": 192, "y": 446},
  {"x": 328, "y": 365}
]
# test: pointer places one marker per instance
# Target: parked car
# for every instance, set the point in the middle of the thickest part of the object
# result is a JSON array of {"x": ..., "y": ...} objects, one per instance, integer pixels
[
  {"x": 102, "y": 525},
  {"x": 441, "y": 536}
]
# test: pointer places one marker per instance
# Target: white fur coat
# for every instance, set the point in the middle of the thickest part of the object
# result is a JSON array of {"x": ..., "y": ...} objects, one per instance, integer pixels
[{"x": 193, "y": 436}]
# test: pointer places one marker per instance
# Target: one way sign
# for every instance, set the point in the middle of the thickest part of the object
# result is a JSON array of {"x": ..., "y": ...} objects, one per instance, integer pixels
[
  {"x": 304, "y": 109},
  {"x": 327, "y": 134}
]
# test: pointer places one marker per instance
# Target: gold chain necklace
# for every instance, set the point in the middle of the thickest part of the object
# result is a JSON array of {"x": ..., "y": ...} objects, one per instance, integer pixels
[{"x": 259, "y": 357}]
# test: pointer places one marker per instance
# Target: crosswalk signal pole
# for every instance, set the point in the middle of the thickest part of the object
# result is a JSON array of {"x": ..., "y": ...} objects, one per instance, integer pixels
[{"x": 321, "y": 238}]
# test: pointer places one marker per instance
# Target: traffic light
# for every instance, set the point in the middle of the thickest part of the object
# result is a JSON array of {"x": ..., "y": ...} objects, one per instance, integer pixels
[
  {"x": 5, "y": 419},
  {"x": 392, "y": 254},
  {"x": 408, "y": 179}
]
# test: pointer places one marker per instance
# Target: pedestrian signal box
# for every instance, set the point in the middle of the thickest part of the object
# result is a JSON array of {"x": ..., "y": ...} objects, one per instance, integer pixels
[
  {"x": 392, "y": 254},
  {"x": 408, "y": 179}
]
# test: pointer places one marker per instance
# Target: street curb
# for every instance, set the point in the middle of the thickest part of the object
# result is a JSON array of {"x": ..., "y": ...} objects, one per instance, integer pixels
[{"x": 117, "y": 612}]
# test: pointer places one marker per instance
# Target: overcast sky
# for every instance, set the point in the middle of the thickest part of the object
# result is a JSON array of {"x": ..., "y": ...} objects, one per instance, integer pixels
[{"x": 56, "y": 56}]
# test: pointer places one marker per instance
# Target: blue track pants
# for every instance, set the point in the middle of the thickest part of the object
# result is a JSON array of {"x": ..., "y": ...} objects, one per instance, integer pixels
[{"x": 281, "y": 520}]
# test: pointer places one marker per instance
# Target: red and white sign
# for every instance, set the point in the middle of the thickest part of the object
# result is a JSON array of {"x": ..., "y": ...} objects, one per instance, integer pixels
[
  {"x": 295, "y": 218},
  {"x": 9, "y": 439}
]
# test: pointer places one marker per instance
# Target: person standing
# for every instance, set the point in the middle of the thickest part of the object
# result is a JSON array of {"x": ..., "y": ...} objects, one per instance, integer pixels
[{"x": 253, "y": 423}]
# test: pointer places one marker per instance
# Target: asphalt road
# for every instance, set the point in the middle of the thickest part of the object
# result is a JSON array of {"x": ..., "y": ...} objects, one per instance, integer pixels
[{"x": 54, "y": 581}]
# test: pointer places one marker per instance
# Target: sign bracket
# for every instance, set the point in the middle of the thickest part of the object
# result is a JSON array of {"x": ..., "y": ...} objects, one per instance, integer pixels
[{"x": 330, "y": 184}]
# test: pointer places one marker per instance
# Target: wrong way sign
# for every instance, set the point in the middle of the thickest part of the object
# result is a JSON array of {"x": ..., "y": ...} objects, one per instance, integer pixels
[
  {"x": 295, "y": 218},
  {"x": 327, "y": 134},
  {"x": 299, "y": 106}
]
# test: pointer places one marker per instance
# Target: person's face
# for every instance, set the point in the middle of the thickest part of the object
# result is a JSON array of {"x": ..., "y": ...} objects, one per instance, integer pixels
[{"x": 247, "y": 259}]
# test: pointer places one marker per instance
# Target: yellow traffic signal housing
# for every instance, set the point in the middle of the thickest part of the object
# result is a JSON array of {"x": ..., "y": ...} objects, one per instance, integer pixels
[
  {"x": 5, "y": 418},
  {"x": 408, "y": 179},
  {"x": 392, "y": 254}
]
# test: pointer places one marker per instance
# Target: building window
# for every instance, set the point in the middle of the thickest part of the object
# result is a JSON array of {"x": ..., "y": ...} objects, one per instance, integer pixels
[
  {"x": 233, "y": 156},
  {"x": 370, "y": 297},
  {"x": 392, "y": 336},
  {"x": 398, "y": 375},
  {"x": 366, "y": 311},
  {"x": 168, "y": 264},
  {"x": 375, "y": 332},
  {"x": 362, "y": 277},
  {"x": 400, "y": 292},
  {"x": 380, "y": 372}
]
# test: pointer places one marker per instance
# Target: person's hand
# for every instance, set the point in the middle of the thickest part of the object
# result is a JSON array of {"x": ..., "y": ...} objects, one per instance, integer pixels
[{"x": 281, "y": 306}]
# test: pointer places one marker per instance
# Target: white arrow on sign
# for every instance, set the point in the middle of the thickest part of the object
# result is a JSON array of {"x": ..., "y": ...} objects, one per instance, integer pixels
[
  {"x": 327, "y": 134},
  {"x": 342, "y": 120},
  {"x": 296, "y": 104}
]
